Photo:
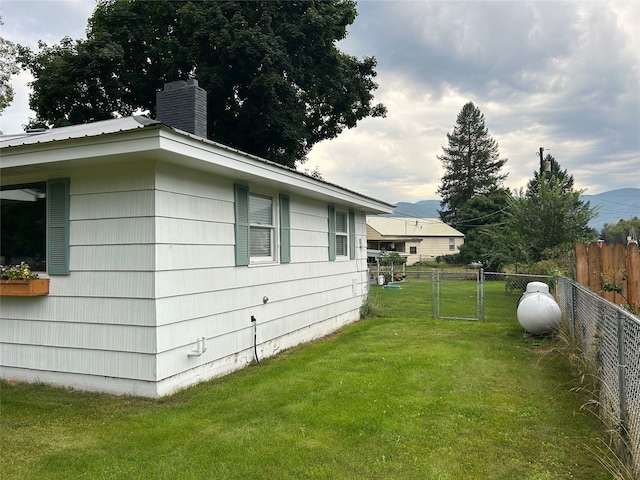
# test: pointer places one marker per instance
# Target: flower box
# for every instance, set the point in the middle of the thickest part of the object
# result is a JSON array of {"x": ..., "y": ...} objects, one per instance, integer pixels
[{"x": 24, "y": 288}]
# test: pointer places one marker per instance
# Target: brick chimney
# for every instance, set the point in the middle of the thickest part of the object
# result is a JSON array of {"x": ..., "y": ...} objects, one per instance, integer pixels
[{"x": 183, "y": 105}]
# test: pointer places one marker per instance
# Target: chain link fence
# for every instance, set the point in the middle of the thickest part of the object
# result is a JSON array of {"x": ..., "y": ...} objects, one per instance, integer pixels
[
  {"x": 608, "y": 340},
  {"x": 604, "y": 336}
]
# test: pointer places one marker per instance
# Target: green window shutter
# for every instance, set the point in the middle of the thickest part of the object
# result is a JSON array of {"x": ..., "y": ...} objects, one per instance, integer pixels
[
  {"x": 58, "y": 226},
  {"x": 332, "y": 232},
  {"x": 352, "y": 235},
  {"x": 285, "y": 230},
  {"x": 241, "y": 207}
]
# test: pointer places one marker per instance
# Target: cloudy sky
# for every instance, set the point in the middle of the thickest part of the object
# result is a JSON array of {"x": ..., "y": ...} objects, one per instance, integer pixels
[{"x": 560, "y": 75}]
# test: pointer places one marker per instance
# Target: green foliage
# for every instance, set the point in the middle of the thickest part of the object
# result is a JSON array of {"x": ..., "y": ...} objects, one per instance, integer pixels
[
  {"x": 546, "y": 225},
  {"x": 546, "y": 271},
  {"x": 546, "y": 267},
  {"x": 391, "y": 258},
  {"x": 8, "y": 67},
  {"x": 471, "y": 162},
  {"x": 617, "y": 233},
  {"x": 482, "y": 220},
  {"x": 616, "y": 285},
  {"x": 276, "y": 82},
  {"x": 369, "y": 307},
  {"x": 452, "y": 259}
]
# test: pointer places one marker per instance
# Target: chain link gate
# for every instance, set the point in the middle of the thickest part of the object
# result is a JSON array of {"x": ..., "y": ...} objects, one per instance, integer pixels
[{"x": 457, "y": 295}]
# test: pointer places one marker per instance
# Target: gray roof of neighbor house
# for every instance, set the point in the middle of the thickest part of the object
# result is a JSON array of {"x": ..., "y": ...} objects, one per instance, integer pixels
[
  {"x": 21, "y": 150},
  {"x": 398, "y": 227}
]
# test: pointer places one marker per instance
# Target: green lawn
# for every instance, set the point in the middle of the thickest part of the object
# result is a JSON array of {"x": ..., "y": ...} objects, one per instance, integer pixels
[{"x": 399, "y": 396}]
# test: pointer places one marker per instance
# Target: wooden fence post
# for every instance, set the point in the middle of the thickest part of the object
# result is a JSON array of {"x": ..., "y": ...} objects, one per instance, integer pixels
[
  {"x": 582, "y": 264},
  {"x": 598, "y": 265},
  {"x": 595, "y": 268},
  {"x": 608, "y": 273},
  {"x": 619, "y": 267}
]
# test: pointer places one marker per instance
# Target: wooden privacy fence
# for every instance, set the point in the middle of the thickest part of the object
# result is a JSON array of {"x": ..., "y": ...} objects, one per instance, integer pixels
[{"x": 616, "y": 265}]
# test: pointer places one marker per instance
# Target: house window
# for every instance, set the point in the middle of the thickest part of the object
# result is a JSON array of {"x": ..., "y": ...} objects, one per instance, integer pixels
[
  {"x": 34, "y": 225},
  {"x": 342, "y": 237},
  {"x": 261, "y": 229},
  {"x": 341, "y": 234},
  {"x": 413, "y": 250},
  {"x": 452, "y": 244},
  {"x": 255, "y": 227}
]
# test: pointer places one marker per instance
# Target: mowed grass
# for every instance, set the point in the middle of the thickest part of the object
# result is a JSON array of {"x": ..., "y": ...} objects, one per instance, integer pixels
[{"x": 399, "y": 396}]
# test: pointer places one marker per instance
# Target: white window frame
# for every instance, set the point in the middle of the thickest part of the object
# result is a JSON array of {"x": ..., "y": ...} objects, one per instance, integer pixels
[
  {"x": 342, "y": 235},
  {"x": 254, "y": 227}
]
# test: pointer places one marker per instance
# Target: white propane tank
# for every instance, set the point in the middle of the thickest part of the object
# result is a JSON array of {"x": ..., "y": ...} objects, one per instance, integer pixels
[{"x": 538, "y": 312}]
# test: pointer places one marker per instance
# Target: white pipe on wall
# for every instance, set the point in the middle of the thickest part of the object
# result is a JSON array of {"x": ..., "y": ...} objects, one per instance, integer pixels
[{"x": 201, "y": 347}]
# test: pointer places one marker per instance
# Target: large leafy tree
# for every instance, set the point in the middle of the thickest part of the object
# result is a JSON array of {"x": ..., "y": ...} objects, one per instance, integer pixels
[
  {"x": 471, "y": 162},
  {"x": 544, "y": 224},
  {"x": 8, "y": 67},
  {"x": 618, "y": 232},
  {"x": 276, "y": 82}
]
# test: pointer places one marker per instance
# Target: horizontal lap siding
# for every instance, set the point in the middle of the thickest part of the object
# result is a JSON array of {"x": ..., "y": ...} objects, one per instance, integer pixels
[
  {"x": 152, "y": 269},
  {"x": 91, "y": 336},
  {"x": 194, "y": 258},
  {"x": 52, "y": 308},
  {"x": 99, "y": 362},
  {"x": 200, "y": 292},
  {"x": 100, "y": 319}
]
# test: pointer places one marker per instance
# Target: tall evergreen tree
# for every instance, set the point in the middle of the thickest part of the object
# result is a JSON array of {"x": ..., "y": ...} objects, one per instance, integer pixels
[
  {"x": 277, "y": 84},
  {"x": 472, "y": 164},
  {"x": 482, "y": 221}
]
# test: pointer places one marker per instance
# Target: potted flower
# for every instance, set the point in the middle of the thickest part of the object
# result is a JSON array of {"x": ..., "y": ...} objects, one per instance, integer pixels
[{"x": 20, "y": 281}]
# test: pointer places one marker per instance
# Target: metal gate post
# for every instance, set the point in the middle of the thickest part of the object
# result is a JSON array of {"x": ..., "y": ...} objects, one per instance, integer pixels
[
  {"x": 481, "y": 310},
  {"x": 574, "y": 309},
  {"x": 433, "y": 294}
]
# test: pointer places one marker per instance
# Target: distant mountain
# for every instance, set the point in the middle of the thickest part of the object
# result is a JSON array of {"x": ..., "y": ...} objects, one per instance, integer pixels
[
  {"x": 614, "y": 205},
  {"x": 421, "y": 209}
]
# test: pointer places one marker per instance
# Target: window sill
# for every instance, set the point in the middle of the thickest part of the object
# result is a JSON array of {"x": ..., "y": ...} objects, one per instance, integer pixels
[
  {"x": 263, "y": 264},
  {"x": 24, "y": 288}
]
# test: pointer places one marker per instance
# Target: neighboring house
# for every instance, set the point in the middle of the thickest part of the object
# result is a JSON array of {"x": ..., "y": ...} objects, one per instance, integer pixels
[
  {"x": 161, "y": 247},
  {"x": 421, "y": 239}
]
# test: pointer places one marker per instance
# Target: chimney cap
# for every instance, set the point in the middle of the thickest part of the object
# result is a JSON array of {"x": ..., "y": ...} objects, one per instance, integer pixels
[{"x": 179, "y": 84}]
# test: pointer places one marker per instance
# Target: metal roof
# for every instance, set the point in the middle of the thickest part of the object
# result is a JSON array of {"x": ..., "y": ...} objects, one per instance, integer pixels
[
  {"x": 411, "y": 227},
  {"x": 76, "y": 131}
]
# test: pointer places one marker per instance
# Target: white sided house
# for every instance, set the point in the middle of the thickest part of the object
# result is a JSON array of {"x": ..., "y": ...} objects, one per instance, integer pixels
[
  {"x": 419, "y": 239},
  {"x": 171, "y": 259}
]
